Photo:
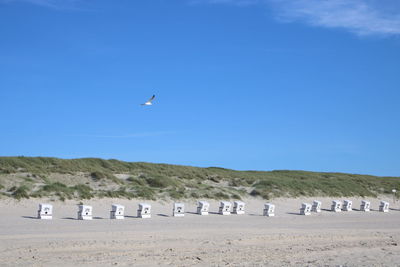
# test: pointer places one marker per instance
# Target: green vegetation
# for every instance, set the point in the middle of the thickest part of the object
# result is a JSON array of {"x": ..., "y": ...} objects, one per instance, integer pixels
[
  {"x": 39, "y": 177},
  {"x": 100, "y": 175},
  {"x": 20, "y": 192},
  {"x": 120, "y": 193},
  {"x": 63, "y": 191}
]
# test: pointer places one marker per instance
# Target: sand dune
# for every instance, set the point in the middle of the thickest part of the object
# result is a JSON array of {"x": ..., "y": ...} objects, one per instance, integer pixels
[{"x": 332, "y": 239}]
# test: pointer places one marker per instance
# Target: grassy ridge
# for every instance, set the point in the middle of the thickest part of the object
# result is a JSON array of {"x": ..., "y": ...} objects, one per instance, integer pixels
[{"x": 88, "y": 177}]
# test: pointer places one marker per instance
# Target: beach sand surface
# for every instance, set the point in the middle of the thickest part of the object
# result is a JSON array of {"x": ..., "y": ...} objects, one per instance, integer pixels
[{"x": 325, "y": 239}]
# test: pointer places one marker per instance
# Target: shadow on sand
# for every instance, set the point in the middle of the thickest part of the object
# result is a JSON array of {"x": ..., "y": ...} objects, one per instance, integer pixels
[
  {"x": 30, "y": 217},
  {"x": 327, "y": 210},
  {"x": 293, "y": 213},
  {"x": 131, "y": 216}
]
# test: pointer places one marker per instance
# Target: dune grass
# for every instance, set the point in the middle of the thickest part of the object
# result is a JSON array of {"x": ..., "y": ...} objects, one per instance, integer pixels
[
  {"x": 155, "y": 181},
  {"x": 20, "y": 192},
  {"x": 63, "y": 191}
]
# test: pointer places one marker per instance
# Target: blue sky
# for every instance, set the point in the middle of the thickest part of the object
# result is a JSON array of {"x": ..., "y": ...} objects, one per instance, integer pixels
[{"x": 243, "y": 84}]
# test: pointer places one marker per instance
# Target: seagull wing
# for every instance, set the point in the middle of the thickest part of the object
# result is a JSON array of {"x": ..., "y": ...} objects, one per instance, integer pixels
[{"x": 152, "y": 98}]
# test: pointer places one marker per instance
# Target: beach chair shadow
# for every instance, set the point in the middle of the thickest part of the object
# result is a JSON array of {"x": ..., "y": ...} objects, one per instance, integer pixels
[
  {"x": 253, "y": 214},
  {"x": 98, "y": 218},
  {"x": 293, "y": 213},
  {"x": 162, "y": 215},
  {"x": 326, "y": 210},
  {"x": 30, "y": 217},
  {"x": 131, "y": 216},
  {"x": 69, "y": 218},
  {"x": 191, "y": 212},
  {"x": 394, "y": 209}
]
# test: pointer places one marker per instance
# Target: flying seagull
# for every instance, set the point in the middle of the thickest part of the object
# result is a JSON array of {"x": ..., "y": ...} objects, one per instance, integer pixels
[{"x": 148, "y": 103}]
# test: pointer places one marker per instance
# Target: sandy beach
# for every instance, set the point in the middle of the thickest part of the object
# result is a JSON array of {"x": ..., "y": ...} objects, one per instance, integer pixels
[{"x": 326, "y": 239}]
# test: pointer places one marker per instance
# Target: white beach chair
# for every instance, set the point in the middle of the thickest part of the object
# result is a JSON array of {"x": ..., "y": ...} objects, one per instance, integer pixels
[
  {"x": 238, "y": 207},
  {"x": 336, "y": 206},
  {"x": 225, "y": 208},
  {"x": 85, "y": 212},
  {"x": 178, "y": 210},
  {"x": 305, "y": 209},
  {"x": 203, "y": 207},
  {"x": 269, "y": 210},
  {"x": 347, "y": 205},
  {"x": 316, "y": 206},
  {"x": 365, "y": 205},
  {"x": 117, "y": 212},
  {"x": 384, "y": 206},
  {"x": 144, "y": 211},
  {"x": 45, "y": 211}
]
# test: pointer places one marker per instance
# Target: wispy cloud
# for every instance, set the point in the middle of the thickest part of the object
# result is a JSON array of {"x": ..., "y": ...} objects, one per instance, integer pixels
[
  {"x": 132, "y": 135},
  {"x": 362, "y": 17},
  {"x": 55, "y": 4}
]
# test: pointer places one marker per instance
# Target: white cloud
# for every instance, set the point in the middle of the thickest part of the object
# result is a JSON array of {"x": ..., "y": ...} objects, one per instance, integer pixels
[{"x": 363, "y": 17}]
